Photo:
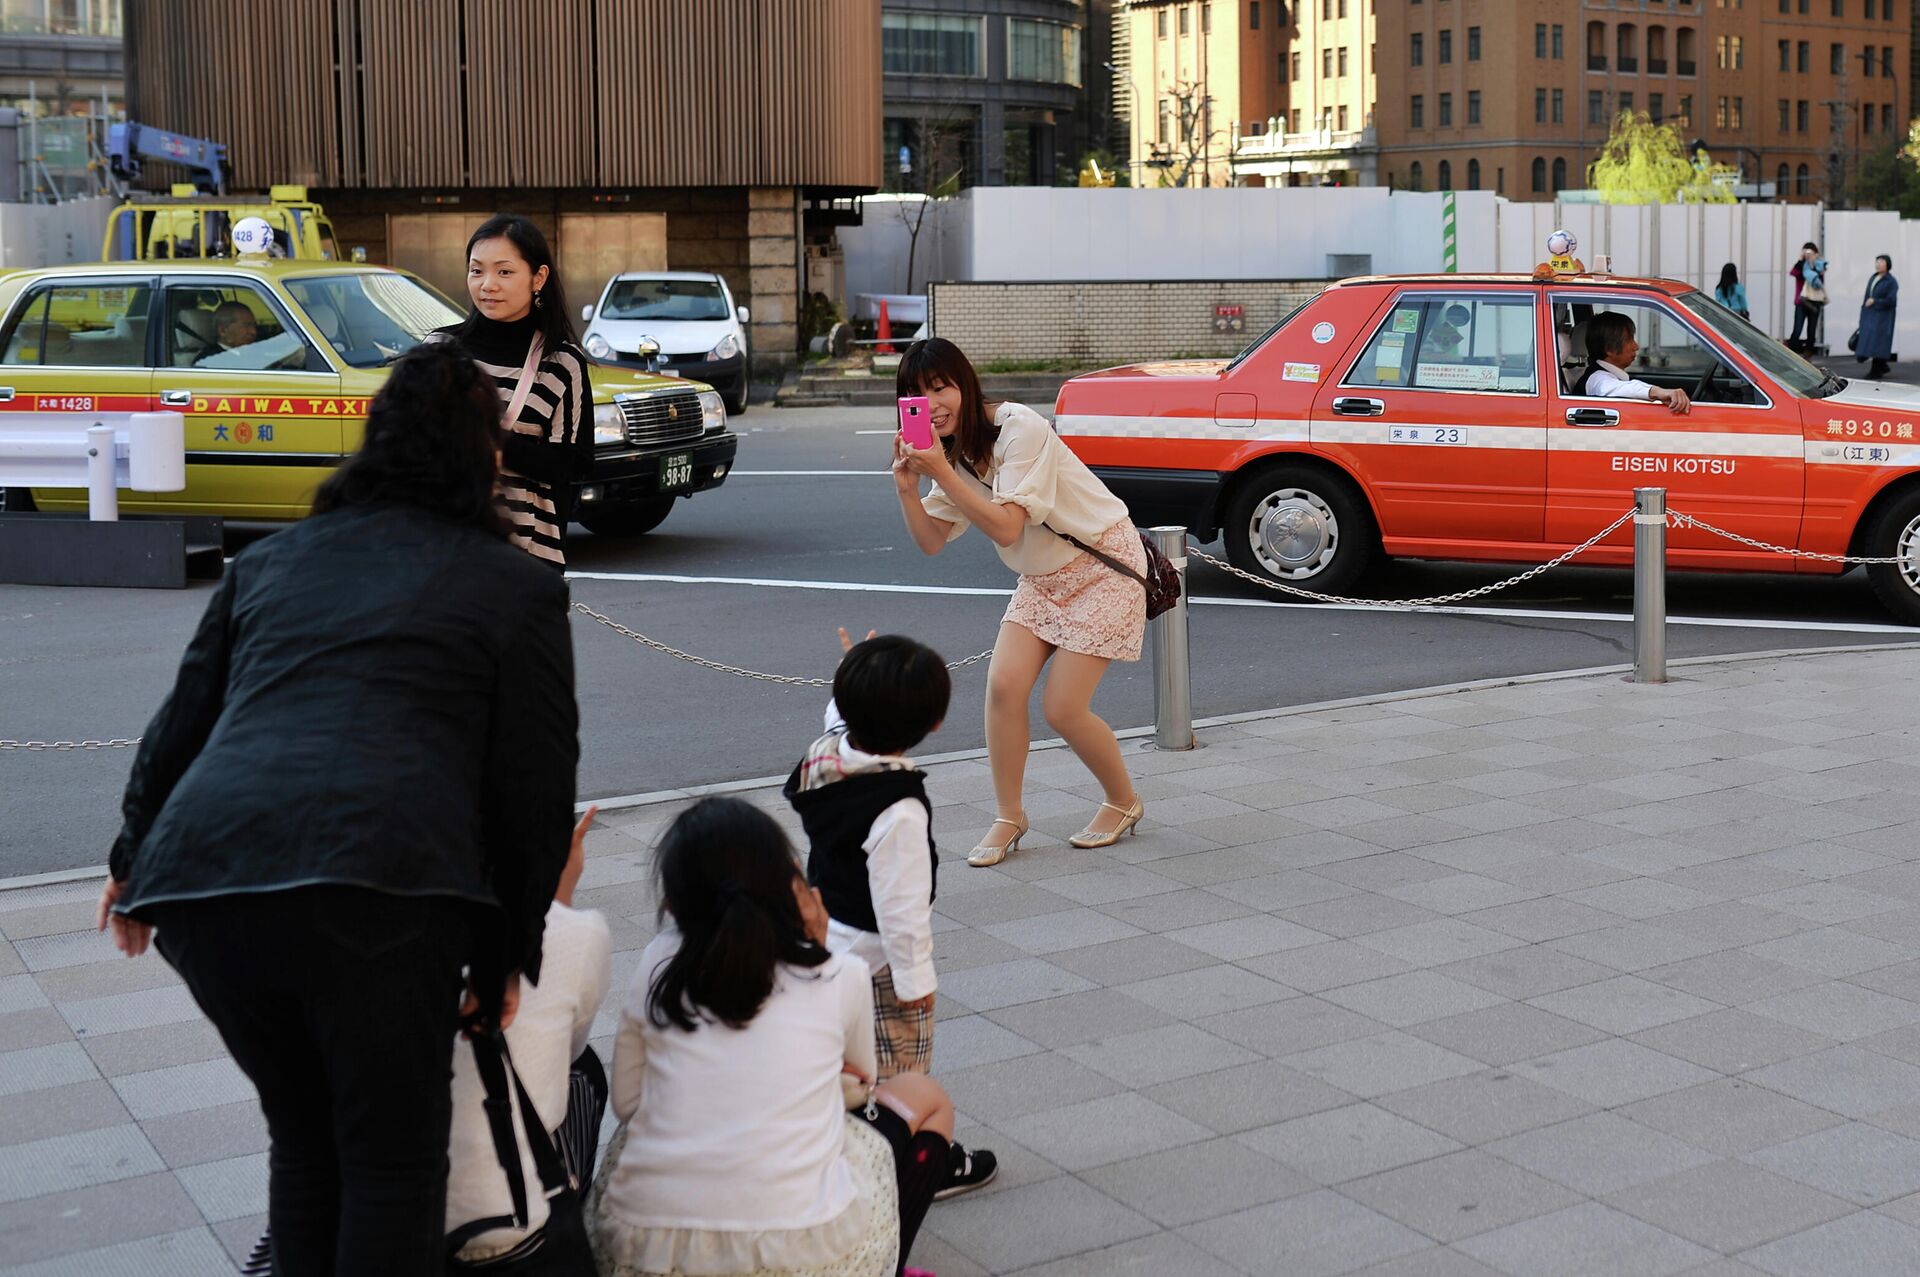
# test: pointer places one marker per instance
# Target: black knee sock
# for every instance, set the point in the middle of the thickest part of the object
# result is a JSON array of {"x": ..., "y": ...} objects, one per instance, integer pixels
[{"x": 922, "y": 1168}]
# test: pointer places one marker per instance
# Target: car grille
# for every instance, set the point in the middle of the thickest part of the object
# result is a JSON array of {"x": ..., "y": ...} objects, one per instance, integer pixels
[{"x": 671, "y": 416}]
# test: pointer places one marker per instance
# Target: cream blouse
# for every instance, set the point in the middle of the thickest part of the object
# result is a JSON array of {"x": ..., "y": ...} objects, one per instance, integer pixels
[{"x": 1033, "y": 468}]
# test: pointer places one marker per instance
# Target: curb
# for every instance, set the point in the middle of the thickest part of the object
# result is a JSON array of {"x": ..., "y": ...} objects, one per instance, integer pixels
[{"x": 628, "y": 802}]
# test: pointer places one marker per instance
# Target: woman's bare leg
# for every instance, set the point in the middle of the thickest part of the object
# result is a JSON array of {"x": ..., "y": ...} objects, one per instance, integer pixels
[
  {"x": 1068, "y": 705},
  {"x": 1018, "y": 658},
  {"x": 920, "y": 1100}
]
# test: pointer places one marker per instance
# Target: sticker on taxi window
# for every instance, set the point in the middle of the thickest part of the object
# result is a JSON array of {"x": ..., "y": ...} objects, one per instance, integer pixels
[
  {"x": 1322, "y": 332},
  {"x": 1406, "y": 321},
  {"x": 1460, "y": 376},
  {"x": 1300, "y": 372}
]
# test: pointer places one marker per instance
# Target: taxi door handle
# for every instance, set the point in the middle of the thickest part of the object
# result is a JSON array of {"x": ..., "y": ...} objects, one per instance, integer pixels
[
  {"x": 6, "y": 394},
  {"x": 1592, "y": 417},
  {"x": 176, "y": 398},
  {"x": 1354, "y": 406}
]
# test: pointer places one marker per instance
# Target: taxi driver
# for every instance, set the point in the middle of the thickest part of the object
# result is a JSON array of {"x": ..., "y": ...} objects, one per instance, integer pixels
[
  {"x": 236, "y": 333},
  {"x": 234, "y": 325},
  {"x": 1610, "y": 352}
]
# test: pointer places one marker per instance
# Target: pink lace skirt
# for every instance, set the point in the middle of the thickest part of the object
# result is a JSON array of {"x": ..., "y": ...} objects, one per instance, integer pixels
[{"x": 1086, "y": 606}]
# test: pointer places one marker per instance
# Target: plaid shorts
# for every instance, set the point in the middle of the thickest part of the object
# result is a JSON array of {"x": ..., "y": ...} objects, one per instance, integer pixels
[{"x": 902, "y": 1039}]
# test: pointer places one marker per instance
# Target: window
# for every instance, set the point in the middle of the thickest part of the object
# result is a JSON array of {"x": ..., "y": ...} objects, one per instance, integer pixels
[
  {"x": 1293, "y": 119},
  {"x": 1160, "y": 24},
  {"x": 1539, "y": 39},
  {"x": 1446, "y": 175},
  {"x": 83, "y": 323},
  {"x": 1782, "y": 181},
  {"x": 1473, "y": 44},
  {"x": 1836, "y": 58},
  {"x": 1452, "y": 341},
  {"x": 1802, "y": 57},
  {"x": 1253, "y": 15},
  {"x": 1800, "y": 114},
  {"x": 1839, "y": 8},
  {"x": 1886, "y": 62},
  {"x": 1417, "y": 113},
  {"x": 1416, "y": 181},
  {"x": 1343, "y": 59},
  {"x": 1446, "y": 47},
  {"x": 1206, "y": 18},
  {"x": 931, "y": 44},
  {"x": 1559, "y": 41},
  {"x": 1559, "y": 175},
  {"x": 1539, "y": 175},
  {"x": 1343, "y": 8},
  {"x": 1186, "y": 20},
  {"x": 1539, "y": 106},
  {"x": 1800, "y": 183},
  {"x": 1786, "y": 55},
  {"x": 1786, "y": 114},
  {"x": 1737, "y": 118},
  {"x": 1295, "y": 58},
  {"x": 1326, "y": 63},
  {"x": 1500, "y": 180},
  {"x": 1343, "y": 118},
  {"x": 237, "y": 327},
  {"x": 1473, "y": 175},
  {"x": 1446, "y": 110},
  {"x": 1163, "y": 129},
  {"x": 1559, "y": 106},
  {"x": 1656, "y": 107},
  {"x": 1672, "y": 352},
  {"x": 1886, "y": 117},
  {"x": 1280, "y": 67},
  {"x": 1803, "y": 5},
  {"x": 1684, "y": 117},
  {"x": 1596, "y": 107},
  {"x": 1326, "y": 10},
  {"x": 1720, "y": 111},
  {"x": 1473, "y": 106},
  {"x": 1043, "y": 52},
  {"x": 1867, "y": 11},
  {"x": 1417, "y": 50},
  {"x": 1626, "y": 104}
]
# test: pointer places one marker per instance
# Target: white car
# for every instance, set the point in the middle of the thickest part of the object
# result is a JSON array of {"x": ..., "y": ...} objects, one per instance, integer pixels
[{"x": 695, "y": 329}]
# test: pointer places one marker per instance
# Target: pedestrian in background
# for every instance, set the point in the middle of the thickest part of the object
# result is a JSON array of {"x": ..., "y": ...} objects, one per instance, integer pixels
[
  {"x": 1080, "y": 602},
  {"x": 360, "y": 785},
  {"x": 1809, "y": 296},
  {"x": 1878, "y": 309},
  {"x": 1730, "y": 292},
  {"x": 520, "y": 333}
]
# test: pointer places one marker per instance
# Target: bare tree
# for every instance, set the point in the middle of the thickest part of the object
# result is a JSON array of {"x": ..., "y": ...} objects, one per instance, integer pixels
[
  {"x": 1195, "y": 139},
  {"x": 936, "y": 174},
  {"x": 1838, "y": 152}
]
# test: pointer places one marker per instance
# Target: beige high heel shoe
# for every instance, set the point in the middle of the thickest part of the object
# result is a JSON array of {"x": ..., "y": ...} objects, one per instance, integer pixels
[
  {"x": 1129, "y": 823},
  {"x": 989, "y": 854}
]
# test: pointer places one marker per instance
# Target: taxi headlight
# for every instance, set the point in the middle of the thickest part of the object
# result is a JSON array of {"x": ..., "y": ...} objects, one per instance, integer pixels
[
  {"x": 729, "y": 347},
  {"x": 713, "y": 410},
  {"x": 598, "y": 347},
  {"x": 609, "y": 424}
]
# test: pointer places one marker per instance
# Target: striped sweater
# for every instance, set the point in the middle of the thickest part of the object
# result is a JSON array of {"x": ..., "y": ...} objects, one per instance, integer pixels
[{"x": 551, "y": 443}]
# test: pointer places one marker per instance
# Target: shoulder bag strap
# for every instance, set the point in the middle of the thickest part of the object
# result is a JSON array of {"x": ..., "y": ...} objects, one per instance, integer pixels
[
  {"x": 503, "y": 1087},
  {"x": 1105, "y": 558},
  {"x": 524, "y": 386}
]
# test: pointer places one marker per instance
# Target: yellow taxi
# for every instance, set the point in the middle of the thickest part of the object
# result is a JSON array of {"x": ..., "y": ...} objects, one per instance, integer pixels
[{"x": 273, "y": 363}]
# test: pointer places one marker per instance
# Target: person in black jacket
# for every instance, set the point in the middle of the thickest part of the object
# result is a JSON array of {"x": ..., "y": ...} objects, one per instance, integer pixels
[
  {"x": 361, "y": 784},
  {"x": 521, "y": 334}
]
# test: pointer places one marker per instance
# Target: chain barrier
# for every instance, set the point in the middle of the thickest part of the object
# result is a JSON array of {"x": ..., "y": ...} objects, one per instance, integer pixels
[
  {"x": 1438, "y": 600},
  {"x": 787, "y": 680},
  {"x": 60, "y": 746},
  {"x": 1680, "y": 520}
]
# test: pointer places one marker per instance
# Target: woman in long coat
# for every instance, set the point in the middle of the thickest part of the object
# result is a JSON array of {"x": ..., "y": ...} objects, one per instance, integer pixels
[{"x": 1877, "y": 311}]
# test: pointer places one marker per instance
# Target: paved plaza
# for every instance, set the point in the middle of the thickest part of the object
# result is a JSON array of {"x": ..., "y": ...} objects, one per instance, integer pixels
[{"x": 1570, "y": 976}]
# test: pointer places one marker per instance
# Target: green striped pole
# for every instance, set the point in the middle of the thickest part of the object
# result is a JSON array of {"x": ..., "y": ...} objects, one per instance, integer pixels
[{"x": 1449, "y": 248}]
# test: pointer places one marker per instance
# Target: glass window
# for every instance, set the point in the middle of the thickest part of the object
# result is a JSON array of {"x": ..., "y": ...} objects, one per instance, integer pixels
[
  {"x": 1559, "y": 175},
  {"x": 1452, "y": 341},
  {"x": 1446, "y": 110},
  {"x": 1473, "y": 106},
  {"x": 1539, "y": 175},
  {"x": 1539, "y": 106},
  {"x": 1672, "y": 353},
  {"x": 1045, "y": 52},
  {"x": 1343, "y": 118},
  {"x": 930, "y": 44},
  {"x": 1559, "y": 41},
  {"x": 1539, "y": 39},
  {"x": 234, "y": 326},
  {"x": 61, "y": 17},
  {"x": 1737, "y": 117},
  {"x": 372, "y": 318},
  {"x": 1802, "y": 57},
  {"x": 1800, "y": 114},
  {"x": 1326, "y": 63},
  {"x": 1446, "y": 175},
  {"x": 1473, "y": 44},
  {"x": 1416, "y": 180},
  {"x": 1295, "y": 56},
  {"x": 1559, "y": 106},
  {"x": 1343, "y": 59},
  {"x": 1206, "y": 18},
  {"x": 1596, "y": 107},
  {"x": 1417, "y": 113},
  {"x": 1160, "y": 24},
  {"x": 1626, "y": 103},
  {"x": 1785, "y": 114},
  {"x": 1473, "y": 175},
  {"x": 83, "y": 324},
  {"x": 1446, "y": 47},
  {"x": 1186, "y": 21},
  {"x": 1253, "y": 15},
  {"x": 1417, "y": 50},
  {"x": 1656, "y": 107}
]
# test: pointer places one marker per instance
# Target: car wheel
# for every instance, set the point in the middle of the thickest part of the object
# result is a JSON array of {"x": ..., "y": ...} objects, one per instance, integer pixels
[
  {"x": 1302, "y": 526},
  {"x": 1895, "y": 534},
  {"x": 628, "y": 520},
  {"x": 736, "y": 406}
]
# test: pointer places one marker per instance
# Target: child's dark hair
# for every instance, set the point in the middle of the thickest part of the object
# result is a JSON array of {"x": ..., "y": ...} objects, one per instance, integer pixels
[
  {"x": 1607, "y": 332},
  {"x": 727, "y": 874},
  {"x": 891, "y": 691}
]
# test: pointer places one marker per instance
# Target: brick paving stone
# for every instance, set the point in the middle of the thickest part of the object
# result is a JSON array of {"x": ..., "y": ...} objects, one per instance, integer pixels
[{"x": 1568, "y": 976}]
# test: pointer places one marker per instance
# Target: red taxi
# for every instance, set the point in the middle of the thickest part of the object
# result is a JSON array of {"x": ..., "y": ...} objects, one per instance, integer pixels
[{"x": 1436, "y": 417}]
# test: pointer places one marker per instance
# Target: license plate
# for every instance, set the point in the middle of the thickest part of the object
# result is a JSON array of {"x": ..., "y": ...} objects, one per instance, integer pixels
[{"x": 676, "y": 471}]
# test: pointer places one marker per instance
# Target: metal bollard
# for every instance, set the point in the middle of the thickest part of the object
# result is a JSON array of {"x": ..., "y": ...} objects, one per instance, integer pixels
[
  {"x": 1649, "y": 585},
  {"x": 1172, "y": 670},
  {"x": 103, "y": 497}
]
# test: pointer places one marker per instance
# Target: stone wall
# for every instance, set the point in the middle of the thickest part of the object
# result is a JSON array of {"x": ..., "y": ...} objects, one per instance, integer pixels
[{"x": 1107, "y": 322}]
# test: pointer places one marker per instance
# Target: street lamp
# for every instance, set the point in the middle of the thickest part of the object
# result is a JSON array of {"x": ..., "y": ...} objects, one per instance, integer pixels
[{"x": 1134, "y": 132}]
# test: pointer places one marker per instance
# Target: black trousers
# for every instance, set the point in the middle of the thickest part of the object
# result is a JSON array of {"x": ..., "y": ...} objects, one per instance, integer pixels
[
  {"x": 1808, "y": 314},
  {"x": 341, "y": 1004}
]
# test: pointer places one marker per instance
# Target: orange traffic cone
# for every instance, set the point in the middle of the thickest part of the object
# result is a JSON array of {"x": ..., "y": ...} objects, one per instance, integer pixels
[{"x": 886, "y": 332}]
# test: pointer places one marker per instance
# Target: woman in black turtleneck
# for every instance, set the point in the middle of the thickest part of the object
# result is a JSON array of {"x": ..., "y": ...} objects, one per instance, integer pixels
[{"x": 548, "y": 441}]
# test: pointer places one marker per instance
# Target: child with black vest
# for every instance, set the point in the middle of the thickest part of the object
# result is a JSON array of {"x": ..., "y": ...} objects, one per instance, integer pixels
[{"x": 870, "y": 852}]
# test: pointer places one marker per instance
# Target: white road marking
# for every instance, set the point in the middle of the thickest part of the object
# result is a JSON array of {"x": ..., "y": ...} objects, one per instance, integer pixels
[
  {"x": 876, "y": 432},
  {"x": 1517, "y": 613}
]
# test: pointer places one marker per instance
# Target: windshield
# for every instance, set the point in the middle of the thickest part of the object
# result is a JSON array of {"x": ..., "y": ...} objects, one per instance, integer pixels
[
  {"x": 691, "y": 299},
  {"x": 1790, "y": 370},
  {"x": 373, "y": 318}
]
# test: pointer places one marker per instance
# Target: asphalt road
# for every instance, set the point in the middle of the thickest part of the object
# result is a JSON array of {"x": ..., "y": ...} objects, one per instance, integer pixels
[{"x": 762, "y": 571}]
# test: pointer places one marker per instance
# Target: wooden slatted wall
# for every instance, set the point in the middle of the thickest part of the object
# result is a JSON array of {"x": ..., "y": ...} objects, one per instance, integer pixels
[{"x": 507, "y": 93}]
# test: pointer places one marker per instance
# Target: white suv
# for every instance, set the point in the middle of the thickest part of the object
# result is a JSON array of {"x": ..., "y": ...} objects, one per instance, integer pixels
[{"x": 689, "y": 316}]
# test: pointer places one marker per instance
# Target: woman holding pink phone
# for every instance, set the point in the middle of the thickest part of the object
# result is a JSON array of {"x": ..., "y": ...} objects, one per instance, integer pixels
[{"x": 1079, "y": 603}]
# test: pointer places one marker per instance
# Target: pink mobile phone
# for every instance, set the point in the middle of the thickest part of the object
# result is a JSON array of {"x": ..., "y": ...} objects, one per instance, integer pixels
[{"x": 916, "y": 421}]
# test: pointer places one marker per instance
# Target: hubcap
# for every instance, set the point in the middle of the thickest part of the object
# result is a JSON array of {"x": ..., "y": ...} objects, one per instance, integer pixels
[
  {"x": 1294, "y": 533},
  {"x": 1907, "y": 548}
]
